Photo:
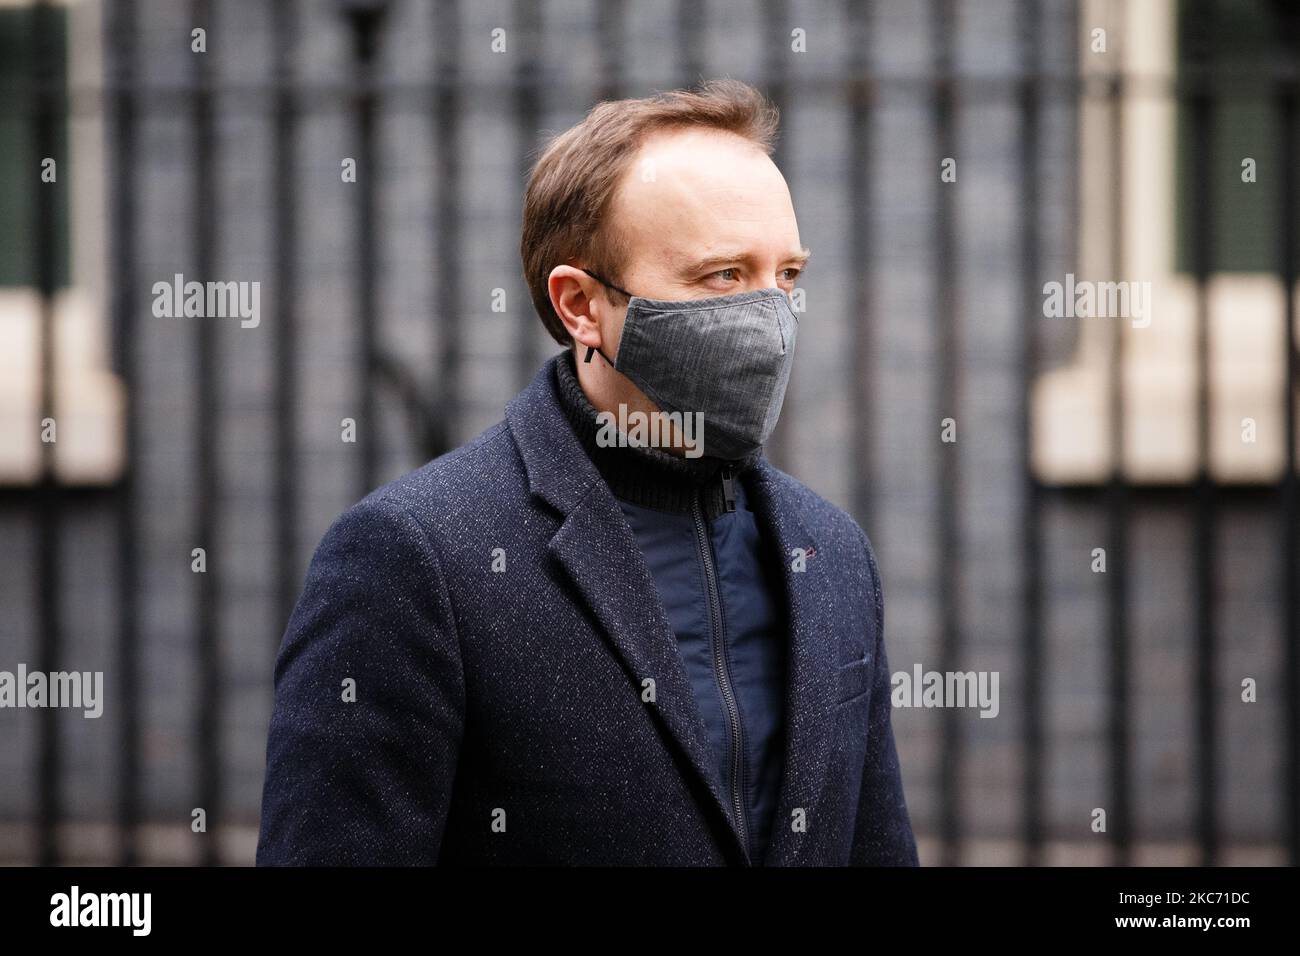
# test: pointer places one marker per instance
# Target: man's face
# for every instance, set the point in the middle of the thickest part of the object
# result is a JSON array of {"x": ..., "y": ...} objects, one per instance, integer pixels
[{"x": 703, "y": 213}]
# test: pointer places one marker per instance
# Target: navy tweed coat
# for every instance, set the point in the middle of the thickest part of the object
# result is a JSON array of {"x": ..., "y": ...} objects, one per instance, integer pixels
[{"x": 432, "y": 710}]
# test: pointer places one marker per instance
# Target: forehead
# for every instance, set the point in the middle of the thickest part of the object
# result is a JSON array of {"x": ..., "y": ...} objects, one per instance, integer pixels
[{"x": 687, "y": 192}]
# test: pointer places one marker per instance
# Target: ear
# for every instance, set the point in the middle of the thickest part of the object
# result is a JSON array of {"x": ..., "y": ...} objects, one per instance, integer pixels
[{"x": 575, "y": 297}]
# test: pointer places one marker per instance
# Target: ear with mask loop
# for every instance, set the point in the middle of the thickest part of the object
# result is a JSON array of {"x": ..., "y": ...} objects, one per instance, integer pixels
[{"x": 591, "y": 349}]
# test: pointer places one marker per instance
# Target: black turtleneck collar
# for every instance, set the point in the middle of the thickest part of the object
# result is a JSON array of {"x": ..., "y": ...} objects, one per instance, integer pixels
[{"x": 649, "y": 477}]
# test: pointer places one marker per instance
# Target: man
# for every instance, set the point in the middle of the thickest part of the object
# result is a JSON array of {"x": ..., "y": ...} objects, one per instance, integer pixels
[{"x": 563, "y": 644}]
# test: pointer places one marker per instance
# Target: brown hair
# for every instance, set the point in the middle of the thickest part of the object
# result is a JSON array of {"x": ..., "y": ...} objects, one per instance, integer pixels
[{"x": 571, "y": 184}]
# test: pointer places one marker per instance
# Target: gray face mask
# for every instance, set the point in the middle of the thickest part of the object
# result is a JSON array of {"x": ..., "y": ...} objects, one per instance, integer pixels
[{"x": 727, "y": 357}]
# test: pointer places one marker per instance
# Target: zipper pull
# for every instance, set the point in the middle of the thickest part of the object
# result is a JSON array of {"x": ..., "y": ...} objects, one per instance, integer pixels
[{"x": 728, "y": 488}]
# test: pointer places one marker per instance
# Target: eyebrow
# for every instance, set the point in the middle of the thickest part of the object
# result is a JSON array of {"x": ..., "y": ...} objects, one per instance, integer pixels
[{"x": 710, "y": 262}]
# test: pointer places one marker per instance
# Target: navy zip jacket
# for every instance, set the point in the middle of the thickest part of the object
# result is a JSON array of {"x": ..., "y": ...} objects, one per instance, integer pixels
[{"x": 481, "y": 669}]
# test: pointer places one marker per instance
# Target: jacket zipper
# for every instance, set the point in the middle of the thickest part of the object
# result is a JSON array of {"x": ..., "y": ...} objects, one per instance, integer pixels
[{"x": 719, "y": 659}]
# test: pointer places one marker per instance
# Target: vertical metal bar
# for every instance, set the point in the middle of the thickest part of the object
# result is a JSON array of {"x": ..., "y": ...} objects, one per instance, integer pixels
[
  {"x": 1031, "y": 545},
  {"x": 446, "y": 164},
  {"x": 285, "y": 228},
  {"x": 1203, "y": 223},
  {"x": 690, "y": 41},
  {"x": 47, "y": 93},
  {"x": 947, "y": 391},
  {"x": 208, "y": 701},
  {"x": 120, "y": 57},
  {"x": 775, "y": 70},
  {"x": 861, "y": 177},
  {"x": 776, "y": 67},
  {"x": 1118, "y": 505},
  {"x": 528, "y": 111},
  {"x": 611, "y": 17},
  {"x": 366, "y": 19},
  {"x": 1288, "y": 161}
]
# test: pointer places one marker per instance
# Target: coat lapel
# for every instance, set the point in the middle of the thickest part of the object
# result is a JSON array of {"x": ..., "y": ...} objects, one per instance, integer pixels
[{"x": 810, "y": 675}]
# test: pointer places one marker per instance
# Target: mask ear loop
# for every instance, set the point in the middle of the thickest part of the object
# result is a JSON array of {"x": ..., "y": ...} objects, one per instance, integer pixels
[{"x": 591, "y": 349}]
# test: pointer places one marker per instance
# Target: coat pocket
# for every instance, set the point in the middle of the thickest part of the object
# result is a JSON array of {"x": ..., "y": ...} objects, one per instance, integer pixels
[{"x": 853, "y": 680}]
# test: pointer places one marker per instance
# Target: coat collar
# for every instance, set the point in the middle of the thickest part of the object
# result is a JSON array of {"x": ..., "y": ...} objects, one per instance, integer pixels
[{"x": 598, "y": 551}]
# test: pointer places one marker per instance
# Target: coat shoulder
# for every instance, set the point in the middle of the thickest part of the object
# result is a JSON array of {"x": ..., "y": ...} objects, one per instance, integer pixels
[
  {"x": 825, "y": 519},
  {"x": 470, "y": 479}
]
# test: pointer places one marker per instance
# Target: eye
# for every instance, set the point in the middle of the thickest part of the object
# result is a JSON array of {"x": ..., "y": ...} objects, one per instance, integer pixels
[
  {"x": 790, "y": 274},
  {"x": 727, "y": 275}
]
